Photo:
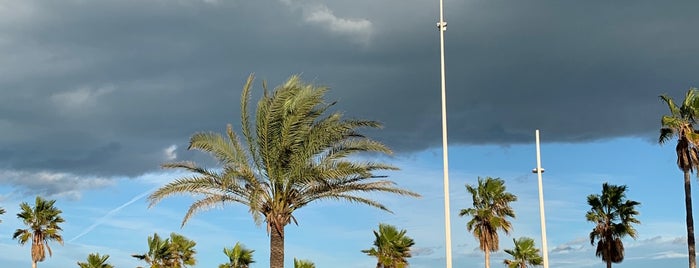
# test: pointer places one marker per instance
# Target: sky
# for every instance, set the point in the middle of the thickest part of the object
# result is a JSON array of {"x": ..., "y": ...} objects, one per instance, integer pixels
[{"x": 95, "y": 95}]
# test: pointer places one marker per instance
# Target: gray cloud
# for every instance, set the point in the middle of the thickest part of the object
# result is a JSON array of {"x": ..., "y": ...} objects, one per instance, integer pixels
[{"x": 103, "y": 88}]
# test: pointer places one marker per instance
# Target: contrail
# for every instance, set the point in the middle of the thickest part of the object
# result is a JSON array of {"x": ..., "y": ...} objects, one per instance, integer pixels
[{"x": 111, "y": 213}]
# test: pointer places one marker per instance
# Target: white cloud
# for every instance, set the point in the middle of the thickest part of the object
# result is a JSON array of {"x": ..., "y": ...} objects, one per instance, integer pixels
[
  {"x": 80, "y": 97},
  {"x": 170, "y": 152},
  {"x": 358, "y": 29},
  {"x": 51, "y": 184}
]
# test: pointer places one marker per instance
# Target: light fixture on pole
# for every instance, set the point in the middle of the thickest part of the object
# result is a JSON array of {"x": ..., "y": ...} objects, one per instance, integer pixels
[
  {"x": 442, "y": 26},
  {"x": 538, "y": 170}
]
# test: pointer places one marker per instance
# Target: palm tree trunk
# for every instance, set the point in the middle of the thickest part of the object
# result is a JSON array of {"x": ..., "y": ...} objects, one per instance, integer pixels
[
  {"x": 609, "y": 264},
  {"x": 33, "y": 264},
  {"x": 276, "y": 243},
  {"x": 690, "y": 220},
  {"x": 487, "y": 258}
]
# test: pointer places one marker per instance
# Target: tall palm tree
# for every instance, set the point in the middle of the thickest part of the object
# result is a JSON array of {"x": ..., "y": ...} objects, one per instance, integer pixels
[
  {"x": 490, "y": 212},
  {"x": 391, "y": 247},
  {"x": 43, "y": 221},
  {"x": 680, "y": 124},
  {"x": 613, "y": 216},
  {"x": 303, "y": 264},
  {"x": 94, "y": 260},
  {"x": 524, "y": 255},
  {"x": 238, "y": 256},
  {"x": 293, "y": 156}
]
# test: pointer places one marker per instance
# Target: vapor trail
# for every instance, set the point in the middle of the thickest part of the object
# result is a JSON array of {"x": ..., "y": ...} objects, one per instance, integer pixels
[{"x": 109, "y": 214}]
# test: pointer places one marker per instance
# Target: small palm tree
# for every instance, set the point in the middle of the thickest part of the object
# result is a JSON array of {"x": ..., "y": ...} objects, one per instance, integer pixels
[
  {"x": 680, "y": 124},
  {"x": 524, "y": 254},
  {"x": 613, "y": 216},
  {"x": 303, "y": 264},
  {"x": 294, "y": 156},
  {"x": 174, "y": 252},
  {"x": 238, "y": 257},
  {"x": 43, "y": 221},
  {"x": 2, "y": 211},
  {"x": 490, "y": 212},
  {"x": 94, "y": 260},
  {"x": 391, "y": 247}
]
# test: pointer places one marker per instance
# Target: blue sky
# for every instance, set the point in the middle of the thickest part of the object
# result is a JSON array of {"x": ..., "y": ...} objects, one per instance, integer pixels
[{"x": 95, "y": 95}]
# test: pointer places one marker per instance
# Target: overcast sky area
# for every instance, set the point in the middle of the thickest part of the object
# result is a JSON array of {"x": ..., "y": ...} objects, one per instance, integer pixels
[{"x": 95, "y": 95}]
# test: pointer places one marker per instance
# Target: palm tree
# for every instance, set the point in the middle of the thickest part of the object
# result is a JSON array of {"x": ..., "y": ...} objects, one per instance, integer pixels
[
  {"x": 158, "y": 251},
  {"x": 680, "y": 124},
  {"x": 524, "y": 255},
  {"x": 94, "y": 260},
  {"x": 238, "y": 257},
  {"x": 2, "y": 211},
  {"x": 303, "y": 264},
  {"x": 174, "y": 252},
  {"x": 294, "y": 156},
  {"x": 491, "y": 208},
  {"x": 43, "y": 221},
  {"x": 391, "y": 247},
  {"x": 613, "y": 216}
]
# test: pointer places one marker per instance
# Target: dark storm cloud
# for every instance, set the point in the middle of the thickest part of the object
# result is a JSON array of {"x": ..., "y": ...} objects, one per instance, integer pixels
[{"x": 103, "y": 88}]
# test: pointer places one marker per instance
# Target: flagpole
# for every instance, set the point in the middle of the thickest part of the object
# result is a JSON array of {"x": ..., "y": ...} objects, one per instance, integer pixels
[
  {"x": 442, "y": 26},
  {"x": 538, "y": 171}
]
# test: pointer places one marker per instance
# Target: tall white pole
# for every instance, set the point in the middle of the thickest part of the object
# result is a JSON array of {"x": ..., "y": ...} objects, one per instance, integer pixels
[
  {"x": 544, "y": 248},
  {"x": 442, "y": 26}
]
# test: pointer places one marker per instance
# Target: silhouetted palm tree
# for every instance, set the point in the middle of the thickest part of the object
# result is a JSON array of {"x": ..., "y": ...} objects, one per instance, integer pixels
[
  {"x": 238, "y": 256},
  {"x": 94, "y": 260},
  {"x": 613, "y": 216},
  {"x": 680, "y": 124},
  {"x": 391, "y": 247},
  {"x": 491, "y": 208},
  {"x": 294, "y": 156},
  {"x": 524, "y": 255},
  {"x": 43, "y": 221}
]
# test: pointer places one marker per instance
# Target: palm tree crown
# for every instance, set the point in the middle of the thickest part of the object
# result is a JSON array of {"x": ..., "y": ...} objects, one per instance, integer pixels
[
  {"x": 238, "y": 256},
  {"x": 391, "y": 247},
  {"x": 174, "y": 252},
  {"x": 490, "y": 212},
  {"x": 43, "y": 222},
  {"x": 680, "y": 124},
  {"x": 524, "y": 255},
  {"x": 613, "y": 216},
  {"x": 94, "y": 260},
  {"x": 293, "y": 156},
  {"x": 303, "y": 264}
]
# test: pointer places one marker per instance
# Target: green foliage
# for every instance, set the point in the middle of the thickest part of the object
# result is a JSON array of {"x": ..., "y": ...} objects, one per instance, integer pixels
[
  {"x": 94, "y": 260},
  {"x": 238, "y": 257},
  {"x": 174, "y": 252},
  {"x": 303, "y": 264},
  {"x": 489, "y": 214},
  {"x": 524, "y": 255},
  {"x": 296, "y": 153},
  {"x": 391, "y": 247},
  {"x": 613, "y": 216},
  {"x": 43, "y": 222},
  {"x": 680, "y": 124}
]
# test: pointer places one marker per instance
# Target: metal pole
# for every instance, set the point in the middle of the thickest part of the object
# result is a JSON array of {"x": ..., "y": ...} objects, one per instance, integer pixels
[
  {"x": 544, "y": 248},
  {"x": 442, "y": 26}
]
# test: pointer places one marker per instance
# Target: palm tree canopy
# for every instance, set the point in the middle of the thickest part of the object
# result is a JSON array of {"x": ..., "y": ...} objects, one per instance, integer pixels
[
  {"x": 293, "y": 156},
  {"x": 391, "y": 247},
  {"x": 174, "y": 252},
  {"x": 94, "y": 260},
  {"x": 525, "y": 254},
  {"x": 43, "y": 222},
  {"x": 613, "y": 216},
  {"x": 679, "y": 123},
  {"x": 238, "y": 256},
  {"x": 490, "y": 212},
  {"x": 2, "y": 211},
  {"x": 303, "y": 264}
]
